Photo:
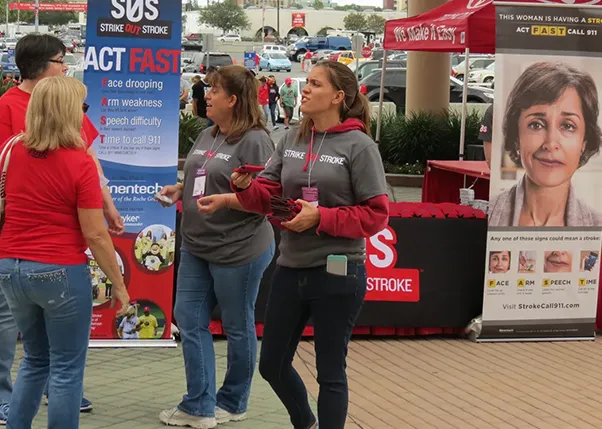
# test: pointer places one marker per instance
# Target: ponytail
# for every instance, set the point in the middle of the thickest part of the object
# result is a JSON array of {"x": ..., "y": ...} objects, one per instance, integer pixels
[{"x": 354, "y": 106}]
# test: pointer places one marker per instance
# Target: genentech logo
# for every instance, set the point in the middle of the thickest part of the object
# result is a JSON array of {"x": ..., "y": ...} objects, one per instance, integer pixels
[{"x": 385, "y": 282}]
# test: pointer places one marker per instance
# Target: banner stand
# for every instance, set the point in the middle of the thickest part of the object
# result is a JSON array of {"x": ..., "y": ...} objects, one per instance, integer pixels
[{"x": 545, "y": 208}]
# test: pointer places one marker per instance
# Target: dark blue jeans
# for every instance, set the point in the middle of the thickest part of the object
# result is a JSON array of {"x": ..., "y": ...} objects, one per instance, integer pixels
[
  {"x": 52, "y": 305},
  {"x": 333, "y": 303},
  {"x": 8, "y": 342},
  {"x": 201, "y": 286}
]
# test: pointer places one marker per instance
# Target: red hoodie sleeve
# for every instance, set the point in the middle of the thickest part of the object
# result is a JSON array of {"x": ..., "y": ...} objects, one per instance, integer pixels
[
  {"x": 256, "y": 198},
  {"x": 360, "y": 221}
]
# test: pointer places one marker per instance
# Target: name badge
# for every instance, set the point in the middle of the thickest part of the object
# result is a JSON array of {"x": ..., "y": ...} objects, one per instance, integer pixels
[
  {"x": 198, "y": 191},
  {"x": 310, "y": 194}
]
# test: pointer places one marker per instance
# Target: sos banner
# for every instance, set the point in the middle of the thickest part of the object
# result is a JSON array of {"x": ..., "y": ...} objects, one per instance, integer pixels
[
  {"x": 132, "y": 71},
  {"x": 545, "y": 221}
]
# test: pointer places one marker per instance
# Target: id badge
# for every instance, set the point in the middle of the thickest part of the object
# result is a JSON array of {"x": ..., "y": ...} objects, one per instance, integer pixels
[
  {"x": 310, "y": 194},
  {"x": 198, "y": 191}
]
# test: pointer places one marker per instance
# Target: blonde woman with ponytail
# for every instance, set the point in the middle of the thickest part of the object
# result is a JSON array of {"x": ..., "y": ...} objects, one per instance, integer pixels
[{"x": 333, "y": 169}]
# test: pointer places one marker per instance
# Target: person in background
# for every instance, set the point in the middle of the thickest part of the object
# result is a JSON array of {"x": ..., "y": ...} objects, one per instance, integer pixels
[
  {"x": 38, "y": 56},
  {"x": 264, "y": 97},
  {"x": 127, "y": 327},
  {"x": 147, "y": 325},
  {"x": 257, "y": 61},
  {"x": 288, "y": 100},
  {"x": 307, "y": 61},
  {"x": 274, "y": 96},
  {"x": 224, "y": 254},
  {"x": 340, "y": 184},
  {"x": 54, "y": 212},
  {"x": 184, "y": 92},
  {"x": 486, "y": 133},
  {"x": 199, "y": 90}
]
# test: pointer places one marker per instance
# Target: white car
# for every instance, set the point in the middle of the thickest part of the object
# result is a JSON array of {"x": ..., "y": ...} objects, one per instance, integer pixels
[
  {"x": 476, "y": 63},
  {"x": 269, "y": 49},
  {"x": 300, "y": 84},
  {"x": 484, "y": 77},
  {"x": 11, "y": 43},
  {"x": 230, "y": 38}
]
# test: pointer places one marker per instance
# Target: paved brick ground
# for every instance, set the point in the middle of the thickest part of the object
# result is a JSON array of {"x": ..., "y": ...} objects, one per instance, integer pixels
[{"x": 434, "y": 383}]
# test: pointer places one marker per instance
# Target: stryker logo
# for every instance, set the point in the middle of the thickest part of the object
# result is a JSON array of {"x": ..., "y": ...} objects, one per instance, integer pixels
[
  {"x": 130, "y": 219},
  {"x": 385, "y": 282},
  {"x": 135, "y": 189},
  {"x": 135, "y": 10}
]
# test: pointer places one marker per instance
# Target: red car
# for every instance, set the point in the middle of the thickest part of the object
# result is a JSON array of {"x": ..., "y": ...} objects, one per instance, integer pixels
[{"x": 334, "y": 56}]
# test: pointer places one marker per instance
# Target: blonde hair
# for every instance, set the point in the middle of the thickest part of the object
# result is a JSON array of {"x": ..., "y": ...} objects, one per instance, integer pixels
[
  {"x": 55, "y": 115},
  {"x": 246, "y": 114}
]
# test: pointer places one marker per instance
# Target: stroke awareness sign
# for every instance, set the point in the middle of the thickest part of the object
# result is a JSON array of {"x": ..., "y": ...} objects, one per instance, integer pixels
[{"x": 132, "y": 71}]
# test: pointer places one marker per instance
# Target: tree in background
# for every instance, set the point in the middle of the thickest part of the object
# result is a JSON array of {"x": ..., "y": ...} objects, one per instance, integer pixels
[
  {"x": 355, "y": 22},
  {"x": 226, "y": 15},
  {"x": 349, "y": 7},
  {"x": 317, "y": 4},
  {"x": 324, "y": 31},
  {"x": 45, "y": 18},
  {"x": 376, "y": 24}
]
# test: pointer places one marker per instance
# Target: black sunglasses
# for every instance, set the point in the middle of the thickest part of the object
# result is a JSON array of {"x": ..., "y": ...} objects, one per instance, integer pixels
[{"x": 86, "y": 107}]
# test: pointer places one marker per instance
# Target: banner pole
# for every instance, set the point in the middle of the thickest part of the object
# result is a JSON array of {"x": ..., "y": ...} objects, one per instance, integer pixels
[
  {"x": 381, "y": 95},
  {"x": 464, "y": 109}
]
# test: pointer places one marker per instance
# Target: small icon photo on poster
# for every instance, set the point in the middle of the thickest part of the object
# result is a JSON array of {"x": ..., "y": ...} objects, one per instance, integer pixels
[
  {"x": 143, "y": 320},
  {"x": 155, "y": 247},
  {"x": 558, "y": 261},
  {"x": 102, "y": 286}
]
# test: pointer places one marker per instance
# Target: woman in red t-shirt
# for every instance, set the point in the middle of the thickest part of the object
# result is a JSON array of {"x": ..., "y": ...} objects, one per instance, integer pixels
[
  {"x": 53, "y": 213},
  {"x": 263, "y": 97},
  {"x": 38, "y": 56}
]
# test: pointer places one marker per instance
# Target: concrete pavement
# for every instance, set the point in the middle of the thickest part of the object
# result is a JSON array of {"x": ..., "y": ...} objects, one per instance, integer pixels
[{"x": 395, "y": 383}]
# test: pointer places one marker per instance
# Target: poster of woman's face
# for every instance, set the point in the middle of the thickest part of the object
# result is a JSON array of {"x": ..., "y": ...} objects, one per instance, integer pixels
[
  {"x": 546, "y": 171},
  {"x": 499, "y": 262}
]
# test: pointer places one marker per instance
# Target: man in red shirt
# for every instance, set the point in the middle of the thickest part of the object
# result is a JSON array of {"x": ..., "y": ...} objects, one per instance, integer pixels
[{"x": 37, "y": 57}]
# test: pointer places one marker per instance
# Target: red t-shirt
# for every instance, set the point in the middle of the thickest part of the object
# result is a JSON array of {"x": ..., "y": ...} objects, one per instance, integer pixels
[
  {"x": 263, "y": 95},
  {"x": 42, "y": 198},
  {"x": 13, "y": 106}
]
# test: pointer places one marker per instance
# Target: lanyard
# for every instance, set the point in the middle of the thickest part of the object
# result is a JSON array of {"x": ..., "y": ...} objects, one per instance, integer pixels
[
  {"x": 211, "y": 150},
  {"x": 311, "y": 147}
]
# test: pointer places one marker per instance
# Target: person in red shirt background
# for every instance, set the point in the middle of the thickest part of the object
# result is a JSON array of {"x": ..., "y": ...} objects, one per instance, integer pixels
[
  {"x": 37, "y": 57},
  {"x": 263, "y": 95}
]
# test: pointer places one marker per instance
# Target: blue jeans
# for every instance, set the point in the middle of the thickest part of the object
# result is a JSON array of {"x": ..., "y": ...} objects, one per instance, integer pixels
[
  {"x": 201, "y": 286},
  {"x": 52, "y": 305},
  {"x": 8, "y": 342}
]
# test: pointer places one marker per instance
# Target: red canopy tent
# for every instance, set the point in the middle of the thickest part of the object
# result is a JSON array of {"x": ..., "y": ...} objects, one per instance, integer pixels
[
  {"x": 456, "y": 26},
  {"x": 453, "y": 27}
]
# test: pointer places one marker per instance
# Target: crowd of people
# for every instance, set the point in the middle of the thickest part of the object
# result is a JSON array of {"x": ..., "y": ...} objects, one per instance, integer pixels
[{"x": 327, "y": 171}]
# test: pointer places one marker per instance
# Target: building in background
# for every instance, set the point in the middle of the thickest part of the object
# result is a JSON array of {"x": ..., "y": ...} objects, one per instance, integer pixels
[{"x": 398, "y": 5}]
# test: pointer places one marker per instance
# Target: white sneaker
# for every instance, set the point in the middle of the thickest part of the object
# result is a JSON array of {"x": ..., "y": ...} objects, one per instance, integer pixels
[
  {"x": 223, "y": 416},
  {"x": 175, "y": 417}
]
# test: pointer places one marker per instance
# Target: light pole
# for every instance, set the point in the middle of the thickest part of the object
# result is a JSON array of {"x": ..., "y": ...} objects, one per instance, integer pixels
[{"x": 37, "y": 10}]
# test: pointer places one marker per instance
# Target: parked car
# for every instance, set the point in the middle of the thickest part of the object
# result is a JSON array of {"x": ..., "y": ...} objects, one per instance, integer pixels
[
  {"x": 230, "y": 38},
  {"x": 477, "y": 62},
  {"x": 367, "y": 67},
  {"x": 395, "y": 89},
  {"x": 334, "y": 55},
  {"x": 378, "y": 53},
  {"x": 484, "y": 76},
  {"x": 320, "y": 55},
  {"x": 11, "y": 43},
  {"x": 297, "y": 50},
  {"x": 8, "y": 67},
  {"x": 268, "y": 49},
  {"x": 70, "y": 60},
  {"x": 198, "y": 62},
  {"x": 300, "y": 84},
  {"x": 347, "y": 57},
  {"x": 274, "y": 62}
]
